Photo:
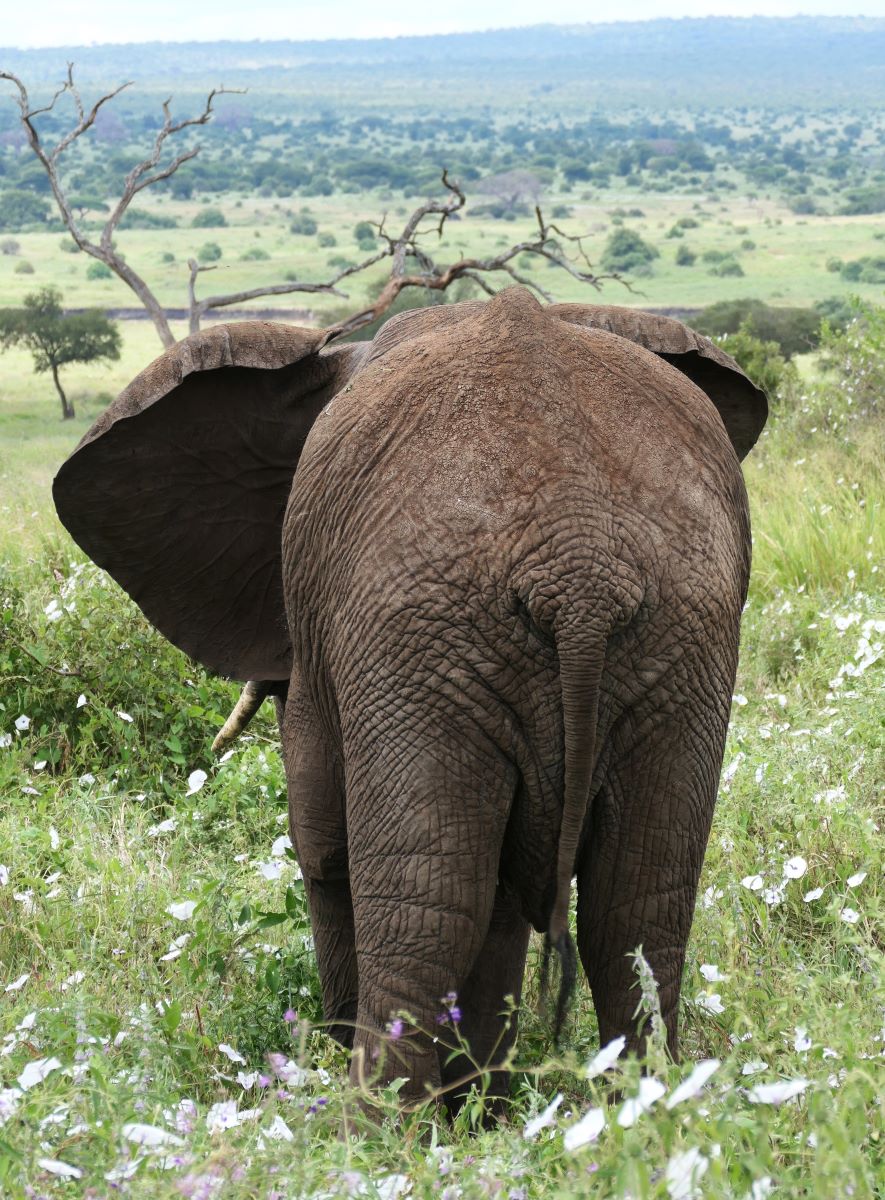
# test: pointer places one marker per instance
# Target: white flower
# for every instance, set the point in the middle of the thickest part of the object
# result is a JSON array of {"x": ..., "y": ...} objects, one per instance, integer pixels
[
  {"x": 182, "y": 910},
  {"x": 754, "y": 1067},
  {"x": 390, "y": 1187},
  {"x": 176, "y": 947},
  {"x": 4, "y": 875},
  {"x": 801, "y": 1042},
  {"x": 22, "y": 723},
  {"x": 5, "y": 740},
  {"x": 223, "y": 1115},
  {"x": 40, "y": 766},
  {"x": 270, "y": 870},
  {"x": 777, "y": 1093},
  {"x": 55, "y": 1167},
  {"x": 150, "y": 1135},
  {"x": 87, "y": 779},
  {"x": 543, "y": 1119},
  {"x": 739, "y": 699},
  {"x": 280, "y": 846},
  {"x": 854, "y": 881},
  {"x": 18, "y": 984},
  {"x": 814, "y": 894},
  {"x": 279, "y": 1131},
  {"x": 684, "y": 1173},
  {"x": 195, "y": 781},
  {"x": 711, "y": 895},
  {"x": 689, "y": 1087},
  {"x": 233, "y": 1055},
  {"x": 795, "y": 867},
  {"x": 605, "y": 1058},
  {"x": 753, "y": 883},
  {"x": 761, "y": 1188},
  {"x": 650, "y": 1091},
  {"x": 124, "y": 716},
  {"x": 731, "y": 770},
  {"x": 247, "y": 1079},
  {"x": 584, "y": 1131},
  {"x": 54, "y": 839},
  {"x": 35, "y": 1072},
  {"x": 73, "y": 980},
  {"x": 710, "y": 1002},
  {"x": 53, "y": 611},
  {"x": 167, "y": 826},
  {"x": 9, "y": 1101},
  {"x": 712, "y": 974},
  {"x": 81, "y": 701},
  {"x": 850, "y": 916},
  {"x": 773, "y": 896}
]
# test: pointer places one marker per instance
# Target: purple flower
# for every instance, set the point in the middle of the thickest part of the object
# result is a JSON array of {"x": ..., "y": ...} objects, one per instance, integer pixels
[
  {"x": 455, "y": 1013},
  {"x": 395, "y": 1029},
  {"x": 290, "y": 1016}
]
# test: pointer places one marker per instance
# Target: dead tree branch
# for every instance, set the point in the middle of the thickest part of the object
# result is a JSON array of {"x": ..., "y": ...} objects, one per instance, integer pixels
[
  {"x": 435, "y": 277},
  {"x": 142, "y": 175}
]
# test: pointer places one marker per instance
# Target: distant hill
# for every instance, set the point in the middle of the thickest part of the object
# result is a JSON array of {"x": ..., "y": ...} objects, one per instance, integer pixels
[{"x": 722, "y": 61}]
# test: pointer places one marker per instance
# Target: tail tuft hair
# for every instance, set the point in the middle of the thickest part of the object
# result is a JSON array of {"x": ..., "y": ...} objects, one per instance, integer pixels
[{"x": 568, "y": 970}]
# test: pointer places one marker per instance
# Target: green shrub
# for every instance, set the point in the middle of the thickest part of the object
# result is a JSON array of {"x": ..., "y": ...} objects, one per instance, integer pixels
[
  {"x": 23, "y": 268},
  {"x": 68, "y": 246},
  {"x": 727, "y": 267},
  {"x": 20, "y": 208},
  {"x": 685, "y": 257},
  {"x": 795, "y": 330},
  {"x": 748, "y": 244},
  {"x": 9, "y": 247},
  {"x": 254, "y": 254},
  {"x": 167, "y": 257},
  {"x": 625, "y": 250},
  {"x": 98, "y": 270},
  {"x": 869, "y": 269},
  {"x": 209, "y": 218},
  {"x": 303, "y": 224},
  {"x": 209, "y": 252},
  {"x": 326, "y": 240},
  {"x": 761, "y": 360},
  {"x": 139, "y": 218}
]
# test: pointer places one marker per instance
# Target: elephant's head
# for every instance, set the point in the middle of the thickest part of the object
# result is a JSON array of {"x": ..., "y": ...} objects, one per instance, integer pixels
[{"x": 179, "y": 488}]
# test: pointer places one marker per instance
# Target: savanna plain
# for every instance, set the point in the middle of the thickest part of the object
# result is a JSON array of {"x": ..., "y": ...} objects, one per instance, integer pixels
[{"x": 160, "y": 1021}]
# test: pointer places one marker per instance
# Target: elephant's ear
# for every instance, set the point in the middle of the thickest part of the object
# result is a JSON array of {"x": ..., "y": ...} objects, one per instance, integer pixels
[
  {"x": 741, "y": 405},
  {"x": 179, "y": 488}
]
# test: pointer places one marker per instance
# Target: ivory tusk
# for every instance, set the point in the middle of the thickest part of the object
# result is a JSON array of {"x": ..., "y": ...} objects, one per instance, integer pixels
[{"x": 251, "y": 699}]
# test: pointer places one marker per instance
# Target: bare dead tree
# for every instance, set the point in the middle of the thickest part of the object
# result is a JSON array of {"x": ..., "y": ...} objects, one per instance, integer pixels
[
  {"x": 411, "y": 267},
  {"x": 426, "y": 273}
]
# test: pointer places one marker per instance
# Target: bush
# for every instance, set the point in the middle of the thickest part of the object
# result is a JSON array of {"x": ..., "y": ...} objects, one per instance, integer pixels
[
  {"x": 167, "y": 257},
  {"x": 761, "y": 360},
  {"x": 139, "y": 218},
  {"x": 837, "y": 311},
  {"x": 98, "y": 270},
  {"x": 23, "y": 268},
  {"x": 869, "y": 269},
  {"x": 326, "y": 240},
  {"x": 67, "y": 246},
  {"x": 10, "y": 247},
  {"x": 303, "y": 224},
  {"x": 857, "y": 354},
  {"x": 560, "y": 212},
  {"x": 728, "y": 266},
  {"x": 254, "y": 254},
  {"x": 209, "y": 218},
  {"x": 685, "y": 257},
  {"x": 865, "y": 200},
  {"x": 209, "y": 252},
  {"x": 748, "y": 244},
  {"x": 19, "y": 208},
  {"x": 364, "y": 231},
  {"x": 625, "y": 250},
  {"x": 795, "y": 330}
]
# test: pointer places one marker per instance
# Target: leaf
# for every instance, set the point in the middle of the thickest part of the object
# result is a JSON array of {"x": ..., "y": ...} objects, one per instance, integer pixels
[{"x": 268, "y": 920}]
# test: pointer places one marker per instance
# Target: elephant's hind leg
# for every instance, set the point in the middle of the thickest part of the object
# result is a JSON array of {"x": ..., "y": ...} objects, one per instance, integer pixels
[
  {"x": 638, "y": 874},
  {"x": 497, "y": 973},
  {"x": 316, "y": 823},
  {"x": 426, "y": 818}
]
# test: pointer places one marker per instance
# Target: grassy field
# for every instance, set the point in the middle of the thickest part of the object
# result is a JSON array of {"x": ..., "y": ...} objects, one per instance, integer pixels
[
  {"x": 158, "y": 995},
  {"x": 786, "y": 265}
]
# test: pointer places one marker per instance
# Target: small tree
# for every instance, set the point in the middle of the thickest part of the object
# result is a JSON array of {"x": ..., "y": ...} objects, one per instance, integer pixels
[{"x": 56, "y": 338}]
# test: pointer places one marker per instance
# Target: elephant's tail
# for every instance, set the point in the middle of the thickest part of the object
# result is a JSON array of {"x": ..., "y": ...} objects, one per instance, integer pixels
[{"x": 580, "y": 668}]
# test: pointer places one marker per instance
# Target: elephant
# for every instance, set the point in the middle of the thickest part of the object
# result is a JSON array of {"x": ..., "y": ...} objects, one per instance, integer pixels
[{"x": 492, "y": 564}]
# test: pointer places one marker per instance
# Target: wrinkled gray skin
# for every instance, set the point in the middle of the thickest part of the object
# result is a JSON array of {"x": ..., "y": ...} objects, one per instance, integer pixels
[{"x": 515, "y": 557}]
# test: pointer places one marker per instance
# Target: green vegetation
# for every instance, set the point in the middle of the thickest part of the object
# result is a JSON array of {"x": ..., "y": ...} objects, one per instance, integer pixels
[
  {"x": 625, "y": 251},
  {"x": 795, "y": 330},
  {"x": 57, "y": 339},
  {"x": 209, "y": 218},
  {"x": 155, "y": 922}
]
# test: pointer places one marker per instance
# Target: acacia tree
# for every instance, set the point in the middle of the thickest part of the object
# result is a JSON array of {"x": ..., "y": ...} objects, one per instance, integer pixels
[
  {"x": 412, "y": 266},
  {"x": 56, "y": 338}
]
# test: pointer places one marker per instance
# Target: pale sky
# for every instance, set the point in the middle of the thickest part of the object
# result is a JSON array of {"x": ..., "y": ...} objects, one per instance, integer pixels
[{"x": 65, "y": 23}]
